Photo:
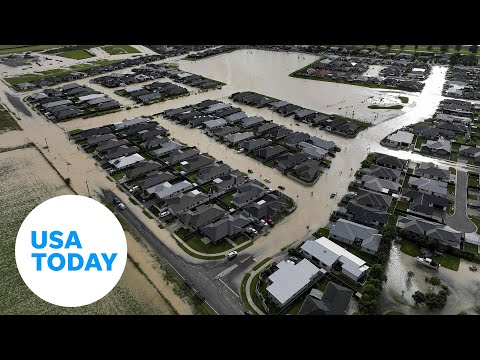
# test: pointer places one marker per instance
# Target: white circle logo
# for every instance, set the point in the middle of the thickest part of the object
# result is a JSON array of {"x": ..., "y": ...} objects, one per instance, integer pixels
[{"x": 71, "y": 250}]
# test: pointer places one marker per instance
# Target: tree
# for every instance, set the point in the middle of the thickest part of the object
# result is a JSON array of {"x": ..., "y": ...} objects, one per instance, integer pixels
[
  {"x": 444, "y": 49},
  {"x": 416, "y": 48},
  {"x": 429, "y": 47},
  {"x": 389, "y": 47},
  {"x": 418, "y": 297},
  {"x": 410, "y": 274},
  {"x": 435, "y": 281},
  {"x": 402, "y": 47},
  {"x": 473, "y": 49},
  {"x": 458, "y": 48},
  {"x": 378, "y": 272}
]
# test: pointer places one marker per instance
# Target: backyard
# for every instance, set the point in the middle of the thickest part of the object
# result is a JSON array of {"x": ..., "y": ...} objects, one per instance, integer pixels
[
  {"x": 76, "y": 54},
  {"x": 447, "y": 260},
  {"x": 119, "y": 49}
]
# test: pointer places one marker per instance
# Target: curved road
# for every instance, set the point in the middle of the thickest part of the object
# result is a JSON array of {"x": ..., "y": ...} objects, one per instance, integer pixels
[{"x": 459, "y": 220}]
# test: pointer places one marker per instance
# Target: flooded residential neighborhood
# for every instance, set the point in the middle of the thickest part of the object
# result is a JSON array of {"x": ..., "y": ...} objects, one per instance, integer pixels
[{"x": 230, "y": 252}]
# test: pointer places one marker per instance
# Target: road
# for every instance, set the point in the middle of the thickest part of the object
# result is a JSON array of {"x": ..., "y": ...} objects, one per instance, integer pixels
[
  {"x": 459, "y": 220},
  {"x": 217, "y": 294}
]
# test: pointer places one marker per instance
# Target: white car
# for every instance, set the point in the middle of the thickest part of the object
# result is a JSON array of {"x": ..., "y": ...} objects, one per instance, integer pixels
[
  {"x": 122, "y": 206},
  {"x": 165, "y": 213},
  {"x": 253, "y": 231},
  {"x": 241, "y": 150},
  {"x": 263, "y": 222},
  {"x": 134, "y": 188},
  {"x": 267, "y": 180},
  {"x": 231, "y": 255}
]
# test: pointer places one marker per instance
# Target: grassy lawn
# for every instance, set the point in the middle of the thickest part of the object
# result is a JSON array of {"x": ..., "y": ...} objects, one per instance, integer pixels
[
  {"x": 459, "y": 139},
  {"x": 295, "y": 307},
  {"x": 409, "y": 171},
  {"x": 323, "y": 232},
  {"x": 253, "y": 294},
  {"x": 219, "y": 257},
  {"x": 472, "y": 181},
  {"x": 228, "y": 199},
  {"x": 476, "y": 221},
  {"x": 243, "y": 293},
  {"x": 472, "y": 197},
  {"x": 357, "y": 252},
  {"x": 451, "y": 189},
  {"x": 120, "y": 49},
  {"x": 197, "y": 244},
  {"x": 453, "y": 171},
  {"x": 270, "y": 163},
  {"x": 447, "y": 261},
  {"x": 23, "y": 78},
  {"x": 402, "y": 205},
  {"x": 260, "y": 264},
  {"x": 76, "y": 54},
  {"x": 119, "y": 175},
  {"x": 240, "y": 239},
  {"x": 403, "y": 99},
  {"x": 405, "y": 182},
  {"x": 454, "y": 155},
  {"x": 11, "y": 49},
  {"x": 369, "y": 160},
  {"x": 147, "y": 214},
  {"x": 450, "y": 209},
  {"x": 56, "y": 72},
  {"x": 353, "y": 284},
  {"x": 393, "y": 107},
  {"x": 471, "y": 248},
  {"x": 182, "y": 233},
  {"x": 321, "y": 285},
  {"x": 7, "y": 122},
  {"x": 359, "y": 123},
  {"x": 92, "y": 64},
  {"x": 410, "y": 248},
  {"x": 420, "y": 140}
]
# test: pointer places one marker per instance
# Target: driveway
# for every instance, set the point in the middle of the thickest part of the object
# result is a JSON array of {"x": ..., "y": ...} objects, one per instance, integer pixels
[{"x": 459, "y": 220}]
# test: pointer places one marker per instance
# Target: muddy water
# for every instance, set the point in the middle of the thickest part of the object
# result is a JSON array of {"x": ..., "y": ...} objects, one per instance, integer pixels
[{"x": 464, "y": 284}]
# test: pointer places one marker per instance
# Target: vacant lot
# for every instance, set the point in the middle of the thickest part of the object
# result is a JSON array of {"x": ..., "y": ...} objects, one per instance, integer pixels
[
  {"x": 76, "y": 54},
  {"x": 120, "y": 49},
  {"x": 7, "y": 122},
  {"x": 26, "y": 180}
]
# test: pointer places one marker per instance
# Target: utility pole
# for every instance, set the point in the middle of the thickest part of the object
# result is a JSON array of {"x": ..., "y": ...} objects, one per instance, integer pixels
[
  {"x": 46, "y": 145},
  {"x": 88, "y": 190}
]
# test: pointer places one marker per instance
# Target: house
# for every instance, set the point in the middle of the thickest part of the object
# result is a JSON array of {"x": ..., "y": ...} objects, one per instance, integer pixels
[
  {"x": 126, "y": 161},
  {"x": 227, "y": 182},
  {"x": 154, "y": 142},
  {"x": 179, "y": 155},
  {"x": 313, "y": 151},
  {"x": 428, "y": 186},
  {"x": 269, "y": 207},
  {"x": 426, "y": 205},
  {"x": 214, "y": 124},
  {"x": 431, "y": 171},
  {"x": 248, "y": 193},
  {"x": 185, "y": 201},
  {"x": 291, "y": 280},
  {"x": 167, "y": 147},
  {"x": 236, "y": 117},
  {"x": 167, "y": 189},
  {"x": 97, "y": 139},
  {"x": 472, "y": 152},
  {"x": 110, "y": 144},
  {"x": 250, "y": 122},
  {"x": 367, "y": 215},
  {"x": 145, "y": 135},
  {"x": 95, "y": 131},
  {"x": 212, "y": 171},
  {"x": 457, "y": 128},
  {"x": 155, "y": 179},
  {"x": 367, "y": 238},
  {"x": 236, "y": 138},
  {"x": 296, "y": 138},
  {"x": 132, "y": 130},
  {"x": 288, "y": 160},
  {"x": 324, "y": 144},
  {"x": 253, "y": 144},
  {"x": 319, "y": 120},
  {"x": 230, "y": 226},
  {"x": 384, "y": 173},
  {"x": 441, "y": 233},
  {"x": 201, "y": 120},
  {"x": 279, "y": 132},
  {"x": 373, "y": 199},
  {"x": 142, "y": 168},
  {"x": 203, "y": 215},
  {"x": 267, "y": 153},
  {"x": 400, "y": 139},
  {"x": 194, "y": 163},
  {"x": 308, "y": 170},
  {"x": 215, "y": 107},
  {"x": 379, "y": 185},
  {"x": 328, "y": 255},
  {"x": 390, "y": 162},
  {"x": 334, "y": 301},
  {"x": 302, "y": 114}
]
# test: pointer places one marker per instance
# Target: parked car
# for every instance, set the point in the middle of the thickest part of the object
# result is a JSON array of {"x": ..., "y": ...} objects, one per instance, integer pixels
[
  {"x": 241, "y": 150},
  {"x": 117, "y": 201},
  {"x": 122, "y": 206},
  {"x": 134, "y": 188},
  {"x": 250, "y": 171},
  {"x": 267, "y": 180},
  {"x": 332, "y": 196},
  {"x": 252, "y": 230},
  {"x": 263, "y": 222},
  {"x": 165, "y": 213},
  {"x": 231, "y": 255},
  {"x": 270, "y": 222},
  {"x": 281, "y": 187}
]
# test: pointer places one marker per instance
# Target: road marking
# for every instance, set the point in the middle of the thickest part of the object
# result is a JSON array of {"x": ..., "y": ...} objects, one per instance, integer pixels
[
  {"x": 229, "y": 288},
  {"x": 211, "y": 307},
  {"x": 226, "y": 271},
  {"x": 248, "y": 257}
]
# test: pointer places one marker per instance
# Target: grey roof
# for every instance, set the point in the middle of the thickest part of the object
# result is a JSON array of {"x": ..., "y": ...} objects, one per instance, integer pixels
[
  {"x": 247, "y": 193},
  {"x": 179, "y": 155},
  {"x": 142, "y": 169},
  {"x": 237, "y": 137},
  {"x": 196, "y": 162},
  {"x": 431, "y": 169},
  {"x": 334, "y": 301},
  {"x": 390, "y": 161},
  {"x": 269, "y": 206},
  {"x": 97, "y": 139},
  {"x": 308, "y": 170},
  {"x": 155, "y": 142},
  {"x": 235, "y": 117},
  {"x": 211, "y": 124},
  {"x": 252, "y": 144},
  {"x": 120, "y": 151},
  {"x": 202, "y": 216},
  {"x": 401, "y": 137},
  {"x": 470, "y": 151},
  {"x": 384, "y": 173},
  {"x": 324, "y": 144},
  {"x": 185, "y": 201},
  {"x": 222, "y": 183},
  {"x": 289, "y": 279},
  {"x": 312, "y": 150},
  {"x": 167, "y": 148},
  {"x": 278, "y": 104},
  {"x": 380, "y": 185},
  {"x": 429, "y": 185},
  {"x": 301, "y": 113},
  {"x": 228, "y": 226},
  {"x": 270, "y": 151},
  {"x": 265, "y": 127},
  {"x": 212, "y": 171},
  {"x": 110, "y": 144},
  {"x": 367, "y": 215},
  {"x": 166, "y": 189},
  {"x": 351, "y": 231},
  {"x": 251, "y": 121},
  {"x": 437, "y": 145},
  {"x": 373, "y": 199},
  {"x": 296, "y": 138},
  {"x": 289, "y": 160},
  {"x": 439, "y": 232},
  {"x": 155, "y": 179}
]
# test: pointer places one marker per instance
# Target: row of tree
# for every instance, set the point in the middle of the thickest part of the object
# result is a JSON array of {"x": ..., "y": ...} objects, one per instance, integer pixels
[
  {"x": 433, "y": 299},
  {"x": 368, "y": 304},
  {"x": 443, "y": 48}
]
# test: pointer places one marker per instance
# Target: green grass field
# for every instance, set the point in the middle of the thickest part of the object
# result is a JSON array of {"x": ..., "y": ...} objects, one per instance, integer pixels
[
  {"x": 76, "y": 54},
  {"x": 7, "y": 122},
  {"x": 120, "y": 49}
]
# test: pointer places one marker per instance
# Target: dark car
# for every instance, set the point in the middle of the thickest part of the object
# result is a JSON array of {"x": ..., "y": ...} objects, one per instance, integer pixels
[
  {"x": 200, "y": 297},
  {"x": 281, "y": 187},
  {"x": 116, "y": 201},
  {"x": 250, "y": 171}
]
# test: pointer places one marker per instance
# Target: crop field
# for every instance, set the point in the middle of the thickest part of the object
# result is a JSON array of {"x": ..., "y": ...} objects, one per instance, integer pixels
[{"x": 26, "y": 180}]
